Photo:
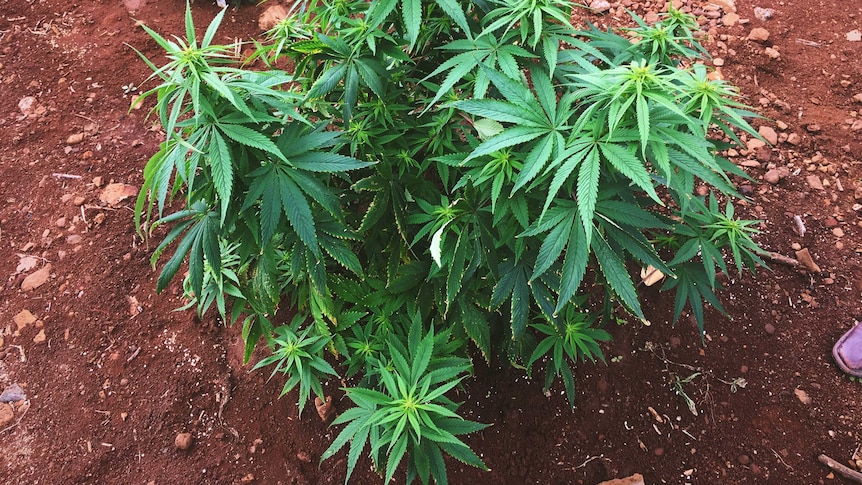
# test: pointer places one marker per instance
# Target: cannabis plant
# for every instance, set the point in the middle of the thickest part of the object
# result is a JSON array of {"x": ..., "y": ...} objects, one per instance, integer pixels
[{"x": 438, "y": 180}]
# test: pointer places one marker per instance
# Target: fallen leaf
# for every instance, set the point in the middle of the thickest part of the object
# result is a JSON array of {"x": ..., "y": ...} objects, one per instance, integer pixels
[{"x": 26, "y": 263}]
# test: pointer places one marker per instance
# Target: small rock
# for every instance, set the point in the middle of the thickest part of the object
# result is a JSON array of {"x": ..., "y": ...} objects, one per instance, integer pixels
[
  {"x": 40, "y": 337},
  {"x": 98, "y": 181},
  {"x": 830, "y": 222},
  {"x": 718, "y": 61},
  {"x": 134, "y": 307},
  {"x": 636, "y": 479},
  {"x": 856, "y": 126},
  {"x": 743, "y": 459},
  {"x": 600, "y": 6},
  {"x": 25, "y": 105},
  {"x": 755, "y": 143},
  {"x": 6, "y": 414},
  {"x": 769, "y": 328},
  {"x": 13, "y": 393},
  {"x": 775, "y": 175},
  {"x": 772, "y": 53},
  {"x": 73, "y": 239},
  {"x": 248, "y": 478},
  {"x": 61, "y": 222},
  {"x": 730, "y": 19},
  {"x": 854, "y": 35},
  {"x": 763, "y": 14},
  {"x": 857, "y": 98},
  {"x": 758, "y": 34},
  {"x": 793, "y": 139},
  {"x": 802, "y": 396},
  {"x": 79, "y": 200},
  {"x": 813, "y": 128},
  {"x": 768, "y": 134},
  {"x": 658, "y": 451},
  {"x": 100, "y": 218},
  {"x": 838, "y": 232},
  {"x": 23, "y": 318},
  {"x": 113, "y": 194},
  {"x": 303, "y": 456},
  {"x": 781, "y": 125},
  {"x": 814, "y": 182},
  {"x": 75, "y": 138},
  {"x": 726, "y": 5},
  {"x": 36, "y": 279},
  {"x": 183, "y": 441}
]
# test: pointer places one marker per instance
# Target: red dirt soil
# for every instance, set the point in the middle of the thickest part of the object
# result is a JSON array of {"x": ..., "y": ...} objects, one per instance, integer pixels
[{"x": 112, "y": 374}]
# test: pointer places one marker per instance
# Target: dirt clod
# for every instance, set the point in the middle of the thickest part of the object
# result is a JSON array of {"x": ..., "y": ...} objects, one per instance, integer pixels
[
  {"x": 6, "y": 414},
  {"x": 36, "y": 279},
  {"x": 183, "y": 441}
]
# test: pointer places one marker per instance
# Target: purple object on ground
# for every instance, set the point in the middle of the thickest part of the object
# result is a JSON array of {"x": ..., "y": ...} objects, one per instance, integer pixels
[
  {"x": 13, "y": 393},
  {"x": 848, "y": 351}
]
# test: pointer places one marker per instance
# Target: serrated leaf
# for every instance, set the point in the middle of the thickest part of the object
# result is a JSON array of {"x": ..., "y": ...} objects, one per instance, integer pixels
[
  {"x": 252, "y": 138},
  {"x": 486, "y": 128}
]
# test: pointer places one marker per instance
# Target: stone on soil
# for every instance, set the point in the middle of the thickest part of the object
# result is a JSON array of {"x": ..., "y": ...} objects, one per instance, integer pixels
[
  {"x": 854, "y": 36},
  {"x": 6, "y": 414},
  {"x": 75, "y": 138},
  {"x": 763, "y": 14},
  {"x": 636, "y": 479},
  {"x": 113, "y": 194},
  {"x": 13, "y": 393},
  {"x": 40, "y": 337},
  {"x": 36, "y": 279},
  {"x": 758, "y": 34},
  {"x": 730, "y": 19},
  {"x": 802, "y": 396},
  {"x": 23, "y": 318},
  {"x": 600, "y": 5},
  {"x": 814, "y": 182},
  {"x": 726, "y": 5},
  {"x": 183, "y": 441},
  {"x": 769, "y": 134}
]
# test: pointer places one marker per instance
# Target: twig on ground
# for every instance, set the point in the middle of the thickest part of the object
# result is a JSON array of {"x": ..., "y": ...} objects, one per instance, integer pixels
[
  {"x": 780, "y": 258},
  {"x": 841, "y": 469},
  {"x": 781, "y": 459},
  {"x": 26, "y": 407},
  {"x": 65, "y": 176}
]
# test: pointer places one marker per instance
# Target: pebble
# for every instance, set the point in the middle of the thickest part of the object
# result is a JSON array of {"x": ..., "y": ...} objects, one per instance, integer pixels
[
  {"x": 857, "y": 98},
  {"x": 813, "y": 128},
  {"x": 802, "y": 396},
  {"x": 6, "y": 414},
  {"x": 13, "y": 393},
  {"x": 79, "y": 200},
  {"x": 769, "y": 328},
  {"x": 600, "y": 5},
  {"x": 61, "y": 222},
  {"x": 40, "y": 337},
  {"x": 743, "y": 459},
  {"x": 23, "y": 318},
  {"x": 830, "y": 222},
  {"x": 75, "y": 138},
  {"x": 763, "y": 14},
  {"x": 814, "y": 182},
  {"x": 769, "y": 134},
  {"x": 303, "y": 456},
  {"x": 658, "y": 451},
  {"x": 183, "y": 441},
  {"x": 36, "y": 279},
  {"x": 793, "y": 139},
  {"x": 772, "y": 53},
  {"x": 73, "y": 239},
  {"x": 773, "y": 176},
  {"x": 854, "y": 36},
  {"x": 838, "y": 232},
  {"x": 758, "y": 34},
  {"x": 730, "y": 19}
]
